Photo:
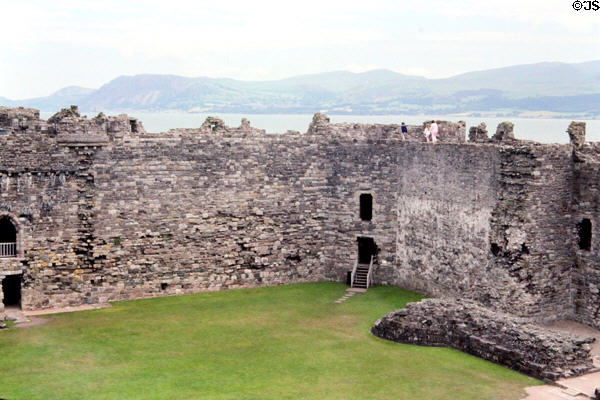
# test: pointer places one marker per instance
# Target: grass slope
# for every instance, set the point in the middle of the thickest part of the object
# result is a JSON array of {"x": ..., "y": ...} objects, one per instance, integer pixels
[{"x": 286, "y": 342}]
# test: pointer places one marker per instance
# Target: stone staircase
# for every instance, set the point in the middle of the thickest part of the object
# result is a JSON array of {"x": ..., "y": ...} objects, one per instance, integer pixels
[
  {"x": 360, "y": 280},
  {"x": 360, "y": 277}
]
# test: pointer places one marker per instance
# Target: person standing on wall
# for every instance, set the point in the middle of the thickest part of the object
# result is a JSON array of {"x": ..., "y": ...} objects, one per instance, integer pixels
[
  {"x": 427, "y": 133},
  {"x": 434, "y": 131},
  {"x": 403, "y": 131}
]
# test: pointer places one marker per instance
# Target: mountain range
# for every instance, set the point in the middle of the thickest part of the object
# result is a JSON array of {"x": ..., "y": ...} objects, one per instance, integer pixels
[{"x": 556, "y": 88}]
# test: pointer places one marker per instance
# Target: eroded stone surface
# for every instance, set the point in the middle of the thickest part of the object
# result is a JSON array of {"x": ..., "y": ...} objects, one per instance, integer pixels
[
  {"x": 106, "y": 211},
  {"x": 576, "y": 133},
  {"x": 478, "y": 133},
  {"x": 504, "y": 131},
  {"x": 499, "y": 337}
]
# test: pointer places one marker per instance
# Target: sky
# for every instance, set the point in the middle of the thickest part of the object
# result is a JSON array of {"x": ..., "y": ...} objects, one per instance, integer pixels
[{"x": 50, "y": 45}]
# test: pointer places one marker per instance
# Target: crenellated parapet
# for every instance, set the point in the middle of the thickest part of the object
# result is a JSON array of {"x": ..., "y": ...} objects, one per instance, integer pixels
[
  {"x": 20, "y": 119},
  {"x": 68, "y": 127}
]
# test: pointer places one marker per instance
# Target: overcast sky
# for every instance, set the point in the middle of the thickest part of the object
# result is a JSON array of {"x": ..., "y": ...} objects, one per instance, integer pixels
[{"x": 47, "y": 45}]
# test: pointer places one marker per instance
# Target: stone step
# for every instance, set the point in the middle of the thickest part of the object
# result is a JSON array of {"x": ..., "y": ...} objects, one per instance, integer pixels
[
  {"x": 549, "y": 393},
  {"x": 349, "y": 293}
]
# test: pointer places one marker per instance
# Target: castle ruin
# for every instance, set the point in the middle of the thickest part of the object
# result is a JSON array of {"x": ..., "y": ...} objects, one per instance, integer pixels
[{"x": 97, "y": 210}]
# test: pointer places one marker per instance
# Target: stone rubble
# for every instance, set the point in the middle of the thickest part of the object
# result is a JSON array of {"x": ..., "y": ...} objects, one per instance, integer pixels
[{"x": 502, "y": 338}]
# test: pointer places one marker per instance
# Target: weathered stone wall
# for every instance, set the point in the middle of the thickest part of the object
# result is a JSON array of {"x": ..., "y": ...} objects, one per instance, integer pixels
[
  {"x": 531, "y": 237},
  {"x": 212, "y": 211},
  {"x": 39, "y": 193},
  {"x": 487, "y": 222},
  {"x": 498, "y": 337},
  {"x": 106, "y": 211},
  {"x": 586, "y": 205},
  {"x": 205, "y": 209},
  {"x": 446, "y": 195},
  {"x": 45, "y": 181}
]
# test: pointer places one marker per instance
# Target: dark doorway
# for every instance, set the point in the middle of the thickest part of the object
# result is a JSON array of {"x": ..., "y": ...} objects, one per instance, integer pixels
[
  {"x": 366, "y": 249},
  {"x": 366, "y": 207},
  {"x": 133, "y": 124},
  {"x": 584, "y": 228},
  {"x": 8, "y": 238},
  {"x": 11, "y": 286}
]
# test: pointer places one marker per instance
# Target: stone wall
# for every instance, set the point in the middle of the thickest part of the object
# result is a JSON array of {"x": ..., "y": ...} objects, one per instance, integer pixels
[
  {"x": 497, "y": 337},
  {"x": 531, "y": 238},
  {"x": 586, "y": 206},
  {"x": 106, "y": 211},
  {"x": 209, "y": 211},
  {"x": 487, "y": 222},
  {"x": 446, "y": 195}
]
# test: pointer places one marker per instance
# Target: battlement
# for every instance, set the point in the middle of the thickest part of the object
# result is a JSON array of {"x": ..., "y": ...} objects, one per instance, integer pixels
[
  {"x": 69, "y": 126},
  {"x": 69, "y": 122}
]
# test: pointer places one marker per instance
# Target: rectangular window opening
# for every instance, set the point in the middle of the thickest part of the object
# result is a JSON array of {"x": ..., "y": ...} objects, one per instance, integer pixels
[
  {"x": 366, "y": 207},
  {"x": 584, "y": 229},
  {"x": 133, "y": 124}
]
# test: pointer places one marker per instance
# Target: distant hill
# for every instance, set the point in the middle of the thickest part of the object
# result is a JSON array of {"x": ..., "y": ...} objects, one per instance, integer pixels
[
  {"x": 564, "y": 89},
  {"x": 57, "y": 100}
]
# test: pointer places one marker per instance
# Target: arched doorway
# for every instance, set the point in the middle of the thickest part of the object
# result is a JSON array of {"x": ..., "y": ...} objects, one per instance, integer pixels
[{"x": 8, "y": 238}]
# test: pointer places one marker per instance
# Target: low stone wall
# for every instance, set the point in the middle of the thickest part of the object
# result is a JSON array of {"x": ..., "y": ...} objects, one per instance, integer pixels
[{"x": 497, "y": 337}]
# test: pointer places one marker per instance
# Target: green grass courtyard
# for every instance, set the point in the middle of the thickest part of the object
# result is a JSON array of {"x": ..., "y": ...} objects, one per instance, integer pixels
[{"x": 284, "y": 342}]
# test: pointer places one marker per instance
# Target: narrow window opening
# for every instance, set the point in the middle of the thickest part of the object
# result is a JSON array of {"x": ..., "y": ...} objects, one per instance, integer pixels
[
  {"x": 8, "y": 238},
  {"x": 584, "y": 228},
  {"x": 164, "y": 286},
  {"x": 495, "y": 249},
  {"x": 524, "y": 249},
  {"x": 133, "y": 124},
  {"x": 366, "y": 207},
  {"x": 11, "y": 286}
]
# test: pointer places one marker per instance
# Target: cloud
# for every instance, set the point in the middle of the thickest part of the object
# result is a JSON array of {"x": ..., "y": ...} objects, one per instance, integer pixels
[
  {"x": 182, "y": 26},
  {"x": 534, "y": 12},
  {"x": 272, "y": 39}
]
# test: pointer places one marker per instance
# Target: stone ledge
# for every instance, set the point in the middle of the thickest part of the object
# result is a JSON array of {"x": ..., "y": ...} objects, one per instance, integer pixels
[
  {"x": 78, "y": 140},
  {"x": 501, "y": 338},
  {"x": 84, "y": 307}
]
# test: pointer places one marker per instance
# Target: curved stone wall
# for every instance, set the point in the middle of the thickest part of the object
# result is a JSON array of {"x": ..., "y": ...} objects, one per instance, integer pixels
[{"x": 504, "y": 339}]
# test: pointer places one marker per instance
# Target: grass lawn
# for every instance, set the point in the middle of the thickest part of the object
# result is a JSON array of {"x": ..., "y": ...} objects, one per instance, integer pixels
[{"x": 285, "y": 342}]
